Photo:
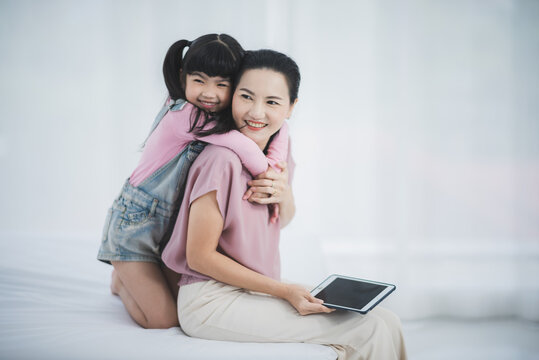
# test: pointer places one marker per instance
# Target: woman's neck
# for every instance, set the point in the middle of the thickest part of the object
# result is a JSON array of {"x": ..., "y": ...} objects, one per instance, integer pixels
[{"x": 262, "y": 146}]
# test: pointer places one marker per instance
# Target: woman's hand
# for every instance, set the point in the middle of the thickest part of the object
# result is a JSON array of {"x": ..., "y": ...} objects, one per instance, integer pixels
[
  {"x": 270, "y": 187},
  {"x": 303, "y": 301}
]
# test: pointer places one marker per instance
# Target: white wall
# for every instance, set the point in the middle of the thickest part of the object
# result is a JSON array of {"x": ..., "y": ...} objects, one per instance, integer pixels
[{"x": 416, "y": 136}]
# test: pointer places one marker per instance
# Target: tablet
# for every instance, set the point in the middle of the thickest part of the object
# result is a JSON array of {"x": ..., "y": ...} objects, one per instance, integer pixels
[{"x": 348, "y": 293}]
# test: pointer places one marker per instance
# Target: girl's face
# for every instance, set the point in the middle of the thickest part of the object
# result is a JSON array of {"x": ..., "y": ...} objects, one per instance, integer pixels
[
  {"x": 260, "y": 104},
  {"x": 210, "y": 93}
]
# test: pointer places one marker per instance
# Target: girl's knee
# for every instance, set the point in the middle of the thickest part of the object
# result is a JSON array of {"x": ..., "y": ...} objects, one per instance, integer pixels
[
  {"x": 162, "y": 321},
  {"x": 164, "y": 316}
]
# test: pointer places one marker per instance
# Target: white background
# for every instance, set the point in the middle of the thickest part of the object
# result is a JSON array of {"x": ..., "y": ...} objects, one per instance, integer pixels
[{"x": 416, "y": 137}]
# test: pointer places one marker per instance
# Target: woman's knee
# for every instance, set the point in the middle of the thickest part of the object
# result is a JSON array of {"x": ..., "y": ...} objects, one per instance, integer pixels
[{"x": 391, "y": 320}]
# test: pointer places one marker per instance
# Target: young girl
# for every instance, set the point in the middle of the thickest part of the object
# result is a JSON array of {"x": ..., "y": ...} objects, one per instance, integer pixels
[{"x": 141, "y": 219}]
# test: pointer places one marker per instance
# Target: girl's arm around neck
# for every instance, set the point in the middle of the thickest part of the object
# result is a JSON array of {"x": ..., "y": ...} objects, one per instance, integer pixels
[
  {"x": 247, "y": 150},
  {"x": 278, "y": 148}
]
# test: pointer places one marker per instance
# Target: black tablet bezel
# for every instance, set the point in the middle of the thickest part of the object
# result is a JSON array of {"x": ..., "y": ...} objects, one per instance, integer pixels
[{"x": 370, "y": 305}]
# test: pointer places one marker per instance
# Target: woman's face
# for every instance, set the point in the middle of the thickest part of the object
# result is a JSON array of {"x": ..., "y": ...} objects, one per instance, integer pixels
[{"x": 260, "y": 104}]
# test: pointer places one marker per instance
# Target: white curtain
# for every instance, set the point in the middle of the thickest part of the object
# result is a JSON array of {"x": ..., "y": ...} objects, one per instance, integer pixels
[{"x": 416, "y": 137}]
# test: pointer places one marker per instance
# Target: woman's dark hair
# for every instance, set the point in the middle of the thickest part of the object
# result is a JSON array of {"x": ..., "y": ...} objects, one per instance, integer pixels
[
  {"x": 276, "y": 61},
  {"x": 212, "y": 54}
]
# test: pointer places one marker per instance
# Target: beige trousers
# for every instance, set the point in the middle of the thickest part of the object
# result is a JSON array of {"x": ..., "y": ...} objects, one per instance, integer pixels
[{"x": 216, "y": 311}]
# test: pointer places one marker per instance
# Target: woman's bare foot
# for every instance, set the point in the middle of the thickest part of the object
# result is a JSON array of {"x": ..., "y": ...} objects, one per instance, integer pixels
[{"x": 115, "y": 283}]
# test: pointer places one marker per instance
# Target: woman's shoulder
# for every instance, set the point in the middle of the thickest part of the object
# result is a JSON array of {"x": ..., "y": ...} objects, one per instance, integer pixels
[
  {"x": 217, "y": 159},
  {"x": 220, "y": 155}
]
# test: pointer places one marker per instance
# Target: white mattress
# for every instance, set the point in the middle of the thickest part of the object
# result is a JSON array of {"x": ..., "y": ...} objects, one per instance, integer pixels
[{"x": 55, "y": 303}]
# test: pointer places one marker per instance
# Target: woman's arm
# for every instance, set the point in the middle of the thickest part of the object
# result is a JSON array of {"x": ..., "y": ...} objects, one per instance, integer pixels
[
  {"x": 287, "y": 206},
  {"x": 272, "y": 187},
  {"x": 204, "y": 230}
]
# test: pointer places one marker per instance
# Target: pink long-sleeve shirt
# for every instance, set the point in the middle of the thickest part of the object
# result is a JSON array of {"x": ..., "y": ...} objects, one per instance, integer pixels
[{"x": 172, "y": 136}]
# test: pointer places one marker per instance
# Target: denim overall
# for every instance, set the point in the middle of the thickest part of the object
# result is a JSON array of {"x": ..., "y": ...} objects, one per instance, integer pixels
[{"x": 141, "y": 219}]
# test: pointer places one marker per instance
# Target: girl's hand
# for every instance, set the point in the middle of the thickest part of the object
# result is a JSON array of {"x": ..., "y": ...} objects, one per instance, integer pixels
[
  {"x": 269, "y": 187},
  {"x": 303, "y": 301}
]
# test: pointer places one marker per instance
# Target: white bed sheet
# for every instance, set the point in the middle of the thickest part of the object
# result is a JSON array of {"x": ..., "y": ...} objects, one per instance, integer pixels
[{"x": 55, "y": 303}]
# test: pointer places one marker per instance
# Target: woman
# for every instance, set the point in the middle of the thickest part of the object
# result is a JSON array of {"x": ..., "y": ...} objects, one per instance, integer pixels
[{"x": 228, "y": 251}]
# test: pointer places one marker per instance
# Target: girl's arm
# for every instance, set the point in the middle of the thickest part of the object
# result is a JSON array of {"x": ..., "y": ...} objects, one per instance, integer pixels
[
  {"x": 204, "y": 230},
  {"x": 278, "y": 148},
  {"x": 277, "y": 154},
  {"x": 247, "y": 150}
]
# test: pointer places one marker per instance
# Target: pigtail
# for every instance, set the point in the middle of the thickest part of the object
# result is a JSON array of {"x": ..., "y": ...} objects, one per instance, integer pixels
[{"x": 171, "y": 69}]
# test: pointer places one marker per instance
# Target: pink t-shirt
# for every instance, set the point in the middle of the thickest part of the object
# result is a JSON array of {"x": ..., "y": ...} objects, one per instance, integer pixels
[
  {"x": 247, "y": 237},
  {"x": 172, "y": 136}
]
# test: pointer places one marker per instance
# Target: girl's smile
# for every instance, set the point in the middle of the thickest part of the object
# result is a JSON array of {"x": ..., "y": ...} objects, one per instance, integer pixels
[
  {"x": 207, "y": 104},
  {"x": 210, "y": 93}
]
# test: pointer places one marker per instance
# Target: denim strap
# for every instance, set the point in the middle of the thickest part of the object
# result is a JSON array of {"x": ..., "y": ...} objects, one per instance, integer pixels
[
  {"x": 157, "y": 120},
  {"x": 174, "y": 105}
]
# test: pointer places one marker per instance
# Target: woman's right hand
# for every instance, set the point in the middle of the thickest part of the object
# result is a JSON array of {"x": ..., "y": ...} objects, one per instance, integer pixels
[{"x": 303, "y": 301}]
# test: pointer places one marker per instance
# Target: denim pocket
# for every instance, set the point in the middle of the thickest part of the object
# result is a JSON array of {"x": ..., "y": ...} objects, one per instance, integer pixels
[
  {"x": 131, "y": 214},
  {"x": 136, "y": 227},
  {"x": 137, "y": 217}
]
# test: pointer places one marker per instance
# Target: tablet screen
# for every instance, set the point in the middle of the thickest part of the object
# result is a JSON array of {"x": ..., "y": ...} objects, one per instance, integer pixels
[{"x": 350, "y": 293}]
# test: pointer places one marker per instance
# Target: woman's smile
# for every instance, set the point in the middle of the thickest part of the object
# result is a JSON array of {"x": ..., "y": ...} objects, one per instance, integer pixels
[{"x": 255, "y": 125}]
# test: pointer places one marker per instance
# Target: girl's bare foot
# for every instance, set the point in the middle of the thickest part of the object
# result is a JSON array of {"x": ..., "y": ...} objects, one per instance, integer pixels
[{"x": 115, "y": 283}]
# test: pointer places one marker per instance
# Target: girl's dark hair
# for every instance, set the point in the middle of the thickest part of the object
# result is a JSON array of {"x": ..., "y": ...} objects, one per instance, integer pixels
[{"x": 212, "y": 54}]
